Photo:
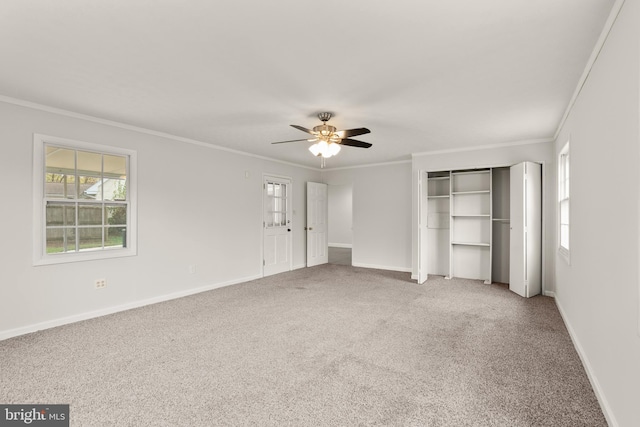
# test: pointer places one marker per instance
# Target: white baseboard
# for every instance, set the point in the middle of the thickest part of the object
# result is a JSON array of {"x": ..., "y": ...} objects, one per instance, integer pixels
[
  {"x": 10, "y": 333},
  {"x": 384, "y": 267},
  {"x": 549, "y": 294},
  {"x": 595, "y": 384},
  {"x": 299, "y": 266},
  {"x": 414, "y": 276},
  {"x": 340, "y": 245}
]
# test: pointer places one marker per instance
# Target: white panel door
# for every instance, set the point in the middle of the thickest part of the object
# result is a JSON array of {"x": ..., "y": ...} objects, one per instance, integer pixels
[
  {"x": 277, "y": 241},
  {"x": 533, "y": 224},
  {"x": 317, "y": 229},
  {"x": 517, "y": 235},
  {"x": 423, "y": 236},
  {"x": 525, "y": 272}
]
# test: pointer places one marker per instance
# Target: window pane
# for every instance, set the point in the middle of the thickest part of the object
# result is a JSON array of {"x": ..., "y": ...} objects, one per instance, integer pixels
[
  {"x": 115, "y": 237},
  {"x": 90, "y": 238},
  {"x": 59, "y": 185},
  {"x": 89, "y": 187},
  {"x": 114, "y": 189},
  {"x": 564, "y": 236},
  {"x": 89, "y": 214},
  {"x": 61, "y": 240},
  {"x": 115, "y": 214},
  {"x": 61, "y": 214},
  {"x": 564, "y": 212},
  {"x": 115, "y": 166},
  {"x": 269, "y": 189},
  {"x": 89, "y": 163},
  {"x": 60, "y": 160}
]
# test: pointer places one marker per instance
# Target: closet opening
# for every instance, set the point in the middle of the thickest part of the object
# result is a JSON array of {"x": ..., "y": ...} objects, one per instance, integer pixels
[{"x": 483, "y": 224}]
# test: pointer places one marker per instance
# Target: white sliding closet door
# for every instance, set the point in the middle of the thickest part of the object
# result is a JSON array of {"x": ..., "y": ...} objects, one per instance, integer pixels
[{"x": 525, "y": 275}]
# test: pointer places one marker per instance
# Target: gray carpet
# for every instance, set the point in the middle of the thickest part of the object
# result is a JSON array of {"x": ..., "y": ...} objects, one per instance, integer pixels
[
  {"x": 340, "y": 256},
  {"x": 329, "y": 345}
]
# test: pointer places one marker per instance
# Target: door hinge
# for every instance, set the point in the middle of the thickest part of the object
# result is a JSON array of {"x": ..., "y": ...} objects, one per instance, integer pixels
[{"x": 264, "y": 263}]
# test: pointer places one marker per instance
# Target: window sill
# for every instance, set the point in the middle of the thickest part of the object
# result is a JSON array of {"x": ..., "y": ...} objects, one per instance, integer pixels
[{"x": 83, "y": 256}]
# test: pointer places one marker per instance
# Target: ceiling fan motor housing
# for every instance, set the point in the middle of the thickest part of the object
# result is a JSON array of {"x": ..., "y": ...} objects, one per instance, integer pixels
[{"x": 325, "y": 130}]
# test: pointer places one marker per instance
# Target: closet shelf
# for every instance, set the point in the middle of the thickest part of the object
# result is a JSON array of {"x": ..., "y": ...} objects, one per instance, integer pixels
[
  {"x": 471, "y": 172},
  {"x": 470, "y": 244},
  {"x": 471, "y": 192},
  {"x": 471, "y": 215},
  {"x": 444, "y": 196},
  {"x": 501, "y": 219}
]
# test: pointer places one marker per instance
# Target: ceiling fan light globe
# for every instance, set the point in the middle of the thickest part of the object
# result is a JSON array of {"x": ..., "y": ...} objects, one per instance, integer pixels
[
  {"x": 315, "y": 150},
  {"x": 334, "y": 148}
]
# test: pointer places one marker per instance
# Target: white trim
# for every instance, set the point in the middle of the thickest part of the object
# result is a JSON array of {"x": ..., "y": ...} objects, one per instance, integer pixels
[
  {"x": 370, "y": 165},
  {"x": 10, "y": 333},
  {"x": 595, "y": 53},
  {"x": 383, "y": 267},
  {"x": 564, "y": 253},
  {"x": 414, "y": 276},
  {"x": 299, "y": 266},
  {"x": 340, "y": 245},
  {"x": 142, "y": 130},
  {"x": 595, "y": 384},
  {"x": 39, "y": 255},
  {"x": 549, "y": 294},
  {"x": 484, "y": 147}
]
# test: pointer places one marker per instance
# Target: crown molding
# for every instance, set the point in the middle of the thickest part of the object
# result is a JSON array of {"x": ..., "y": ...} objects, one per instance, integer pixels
[
  {"x": 72, "y": 114},
  {"x": 369, "y": 165},
  {"x": 484, "y": 147},
  {"x": 604, "y": 35}
]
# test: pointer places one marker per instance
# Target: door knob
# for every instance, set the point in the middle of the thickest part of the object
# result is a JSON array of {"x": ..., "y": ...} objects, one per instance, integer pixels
[
  {"x": 310, "y": 228},
  {"x": 288, "y": 229}
]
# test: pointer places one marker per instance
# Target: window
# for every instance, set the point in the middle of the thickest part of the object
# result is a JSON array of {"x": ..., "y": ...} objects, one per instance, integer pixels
[
  {"x": 277, "y": 204},
  {"x": 84, "y": 201},
  {"x": 563, "y": 201}
]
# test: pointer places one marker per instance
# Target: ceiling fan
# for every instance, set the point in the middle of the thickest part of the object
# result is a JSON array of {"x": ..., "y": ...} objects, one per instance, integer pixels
[{"x": 327, "y": 139}]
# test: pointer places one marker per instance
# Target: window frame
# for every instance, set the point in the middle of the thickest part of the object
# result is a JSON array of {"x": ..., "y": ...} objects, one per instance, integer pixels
[
  {"x": 40, "y": 255},
  {"x": 564, "y": 198}
]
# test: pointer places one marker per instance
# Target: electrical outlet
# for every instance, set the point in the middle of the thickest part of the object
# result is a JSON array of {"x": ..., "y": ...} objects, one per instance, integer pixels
[
  {"x": 192, "y": 269},
  {"x": 101, "y": 283}
]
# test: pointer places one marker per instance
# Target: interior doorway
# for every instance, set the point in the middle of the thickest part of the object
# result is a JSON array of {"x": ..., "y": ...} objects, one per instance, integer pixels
[{"x": 340, "y": 201}]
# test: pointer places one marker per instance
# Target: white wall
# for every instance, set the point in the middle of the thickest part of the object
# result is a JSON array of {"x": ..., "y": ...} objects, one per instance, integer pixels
[
  {"x": 340, "y": 216},
  {"x": 195, "y": 207},
  {"x": 381, "y": 214},
  {"x": 503, "y": 155},
  {"x": 598, "y": 292}
]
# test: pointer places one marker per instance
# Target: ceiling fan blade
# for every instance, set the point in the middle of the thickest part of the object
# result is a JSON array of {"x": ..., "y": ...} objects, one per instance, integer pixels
[
  {"x": 352, "y": 132},
  {"x": 291, "y": 140},
  {"x": 355, "y": 143},
  {"x": 303, "y": 129}
]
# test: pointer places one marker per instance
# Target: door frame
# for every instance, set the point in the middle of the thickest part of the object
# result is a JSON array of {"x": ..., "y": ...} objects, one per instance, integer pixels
[
  {"x": 418, "y": 220},
  {"x": 266, "y": 175}
]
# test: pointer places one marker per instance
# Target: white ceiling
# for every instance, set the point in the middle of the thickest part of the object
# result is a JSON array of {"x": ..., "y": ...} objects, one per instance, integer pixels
[{"x": 422, "y": 75}]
